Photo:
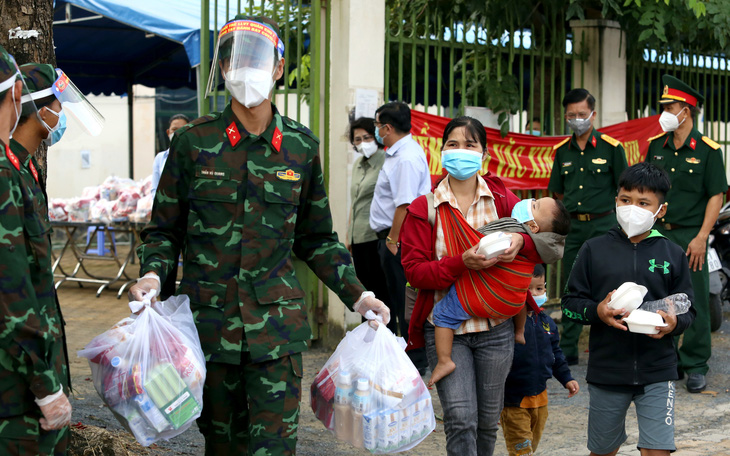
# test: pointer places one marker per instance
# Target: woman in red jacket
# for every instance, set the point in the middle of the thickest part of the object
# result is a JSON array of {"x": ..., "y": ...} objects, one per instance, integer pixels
[{"x": 472, "y": 396}]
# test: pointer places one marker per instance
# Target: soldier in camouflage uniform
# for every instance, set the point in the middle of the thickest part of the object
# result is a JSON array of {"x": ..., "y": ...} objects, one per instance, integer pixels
[
  {"x": 694, "y": 163},
  {"x": 34, "y": 408},
  {"x": 241, "y": 193}
]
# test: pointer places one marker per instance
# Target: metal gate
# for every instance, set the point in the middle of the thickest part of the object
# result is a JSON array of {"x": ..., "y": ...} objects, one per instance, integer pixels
[
  {"x": 707, "y": 73},
  {"x": 304, "y": 28}
]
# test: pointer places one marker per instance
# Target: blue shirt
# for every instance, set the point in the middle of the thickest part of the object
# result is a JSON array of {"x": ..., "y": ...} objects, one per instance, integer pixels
[
  {"x": 403, "y": 178},
  {"x": 157, "y": 167}
]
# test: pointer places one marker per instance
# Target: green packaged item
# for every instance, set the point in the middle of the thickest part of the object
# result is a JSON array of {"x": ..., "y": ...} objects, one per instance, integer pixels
[{"x": 171, "y": 395}]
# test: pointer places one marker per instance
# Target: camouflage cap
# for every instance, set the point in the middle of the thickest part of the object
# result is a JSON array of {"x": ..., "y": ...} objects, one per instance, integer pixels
[
  {"x": 8, "y": 70},
  {"x": 38, "y": 76},
  {"x": 676, "y": 90}
]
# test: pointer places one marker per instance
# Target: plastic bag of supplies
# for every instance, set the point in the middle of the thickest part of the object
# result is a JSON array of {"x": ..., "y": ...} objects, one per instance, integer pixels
[
  {"x": 150, "y": 370},
  {"x": 370, "y": 394}
]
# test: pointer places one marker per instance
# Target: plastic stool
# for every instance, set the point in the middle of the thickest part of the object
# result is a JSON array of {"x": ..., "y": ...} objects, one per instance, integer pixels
[{"x": 100, "y": 249}]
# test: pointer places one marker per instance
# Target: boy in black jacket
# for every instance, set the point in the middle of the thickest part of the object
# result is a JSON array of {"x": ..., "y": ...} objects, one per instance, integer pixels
[
  {"x": 624, "y": 366},
  {"x": 525, "y": 393}
]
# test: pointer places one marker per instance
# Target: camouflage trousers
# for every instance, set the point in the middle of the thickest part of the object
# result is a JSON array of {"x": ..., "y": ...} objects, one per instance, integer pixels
[
  {"x": 21, "y": 435},
  {"x": 252, "y": 409}
]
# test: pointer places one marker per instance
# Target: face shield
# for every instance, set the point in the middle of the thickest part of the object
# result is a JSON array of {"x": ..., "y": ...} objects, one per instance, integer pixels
[
  {"x": 247, "y": 57},
  {"x": 74, "y": 102},
  {"x": 9, "y": 84}
]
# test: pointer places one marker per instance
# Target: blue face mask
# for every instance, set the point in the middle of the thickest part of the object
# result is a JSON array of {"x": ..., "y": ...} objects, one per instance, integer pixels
[
  {"x": 533, "y": 132},
  {"x": 461, "y": 164},
  {"x": 522, "y": 211},
  {"x": 378, "y": 138},
  {"x": 56, "y": 132},
  {"x": 540, "y": 300}
]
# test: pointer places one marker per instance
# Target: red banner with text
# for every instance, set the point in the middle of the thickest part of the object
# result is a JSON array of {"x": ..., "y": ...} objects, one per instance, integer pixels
[{"x": 524, "y": 162}]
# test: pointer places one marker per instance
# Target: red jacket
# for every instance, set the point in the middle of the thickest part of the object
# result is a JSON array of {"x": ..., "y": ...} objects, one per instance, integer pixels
[{"x": 418, "y": 238}]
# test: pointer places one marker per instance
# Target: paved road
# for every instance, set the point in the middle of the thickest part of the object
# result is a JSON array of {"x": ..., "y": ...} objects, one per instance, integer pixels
[{"x": 702, "y": 420}]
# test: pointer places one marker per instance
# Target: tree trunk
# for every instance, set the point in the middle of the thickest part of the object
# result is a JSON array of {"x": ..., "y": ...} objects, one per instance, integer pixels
[{"x": 29, "y": 15}]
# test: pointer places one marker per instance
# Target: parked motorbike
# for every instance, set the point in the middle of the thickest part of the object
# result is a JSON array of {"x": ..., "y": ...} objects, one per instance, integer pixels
[{"x": 718, "y": 263}]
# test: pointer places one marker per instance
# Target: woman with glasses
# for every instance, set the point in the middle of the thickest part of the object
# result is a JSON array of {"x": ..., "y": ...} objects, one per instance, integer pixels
[{"x": 362, "y": 241}]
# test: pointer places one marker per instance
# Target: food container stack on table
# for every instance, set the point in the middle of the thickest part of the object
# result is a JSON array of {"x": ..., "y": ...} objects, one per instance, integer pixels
[
  {"x": 371, "y": 395},
  {"x": 150, "y": 370}
]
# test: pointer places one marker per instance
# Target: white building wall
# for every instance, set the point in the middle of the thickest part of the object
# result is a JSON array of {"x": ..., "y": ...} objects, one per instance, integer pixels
[{"x": 108, "y": 152}]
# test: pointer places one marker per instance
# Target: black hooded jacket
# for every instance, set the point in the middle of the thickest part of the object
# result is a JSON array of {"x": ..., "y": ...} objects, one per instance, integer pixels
[{"x": 602, "y": 265}]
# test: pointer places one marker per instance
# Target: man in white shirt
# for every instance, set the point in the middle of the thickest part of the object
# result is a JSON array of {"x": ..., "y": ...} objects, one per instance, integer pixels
[
  {"x": 403, "y": 178},
  {"x": 176, "y": 121}
]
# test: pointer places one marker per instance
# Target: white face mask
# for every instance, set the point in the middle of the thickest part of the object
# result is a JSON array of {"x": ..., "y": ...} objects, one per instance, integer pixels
[
  {"x": 250, "y": 86},
  {"x": 367, "y": 148},
  {"x": 669, "y": 121},
  {"x": 635, "y": 220}
]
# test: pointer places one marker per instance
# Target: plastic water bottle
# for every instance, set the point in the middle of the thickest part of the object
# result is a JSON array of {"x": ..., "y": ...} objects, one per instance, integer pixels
[
  {"x": 360, "y": 406},
  {"x": 343, "y": 411}
]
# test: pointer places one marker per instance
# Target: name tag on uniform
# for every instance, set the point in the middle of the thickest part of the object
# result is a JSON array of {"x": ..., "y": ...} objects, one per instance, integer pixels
[
  {"x": 658, "y": 157},
  {"x": 566, "y": 164},
  {"x": 213, "y": 173}
]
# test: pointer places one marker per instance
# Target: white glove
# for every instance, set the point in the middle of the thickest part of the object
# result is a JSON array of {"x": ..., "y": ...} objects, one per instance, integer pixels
[
  {"x": 56, "y": 410},
  {"x": 144, "y": 286},
  {"x": 367, "y": 302}
]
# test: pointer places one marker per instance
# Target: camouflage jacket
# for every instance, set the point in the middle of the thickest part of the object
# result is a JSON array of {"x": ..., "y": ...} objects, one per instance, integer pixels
[
  {"x": 239, "y": 206},
  {"x": 31, "y": 321}
]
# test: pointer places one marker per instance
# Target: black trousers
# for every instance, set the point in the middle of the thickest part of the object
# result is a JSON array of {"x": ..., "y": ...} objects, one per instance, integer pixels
[
  {"x": 395, "y": 278},
  {"x": 366, "y": 259}
]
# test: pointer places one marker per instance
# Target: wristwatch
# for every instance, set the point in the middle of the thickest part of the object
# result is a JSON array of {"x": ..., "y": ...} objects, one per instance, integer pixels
[{"x": 389, "y": 240}]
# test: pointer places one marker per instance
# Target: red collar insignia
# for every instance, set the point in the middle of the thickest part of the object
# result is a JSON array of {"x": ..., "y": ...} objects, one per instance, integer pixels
[
  {"x": 33, "y": 170},
  {"x": 233, "y": 135},
  {"x": 593, "y": 141},
  {"x": 276, "y": 139},
  {"x": 692, "y": 143},
  {"x": 11, "y": 156}
]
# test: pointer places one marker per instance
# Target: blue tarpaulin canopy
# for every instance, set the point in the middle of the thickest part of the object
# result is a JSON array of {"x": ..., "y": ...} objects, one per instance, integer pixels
[{"x": 105, "y": 46}]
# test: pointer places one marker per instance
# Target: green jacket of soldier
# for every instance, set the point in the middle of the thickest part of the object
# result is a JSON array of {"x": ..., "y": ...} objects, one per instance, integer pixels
[
  {"x": 238, "y": 207},
  {"x": 31, "y": 333}
]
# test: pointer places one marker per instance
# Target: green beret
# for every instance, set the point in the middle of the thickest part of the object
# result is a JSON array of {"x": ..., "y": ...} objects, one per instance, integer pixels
[{"x": 676, "y": 90}]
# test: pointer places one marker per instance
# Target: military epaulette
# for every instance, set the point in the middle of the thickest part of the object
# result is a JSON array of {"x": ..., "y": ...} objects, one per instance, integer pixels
[
  {"x": 710, "y": 142},
  {"x": 294, "y": 125},
  {"x": 557, "y": 146},
  {"x": 612, "y": 141},
  {"x": 657, "y": 136}
]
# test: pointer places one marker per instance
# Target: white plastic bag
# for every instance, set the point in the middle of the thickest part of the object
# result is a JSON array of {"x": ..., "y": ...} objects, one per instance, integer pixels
[
  {"x": 150, "y": 369},
  {"x": 370, "y": 394}
]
